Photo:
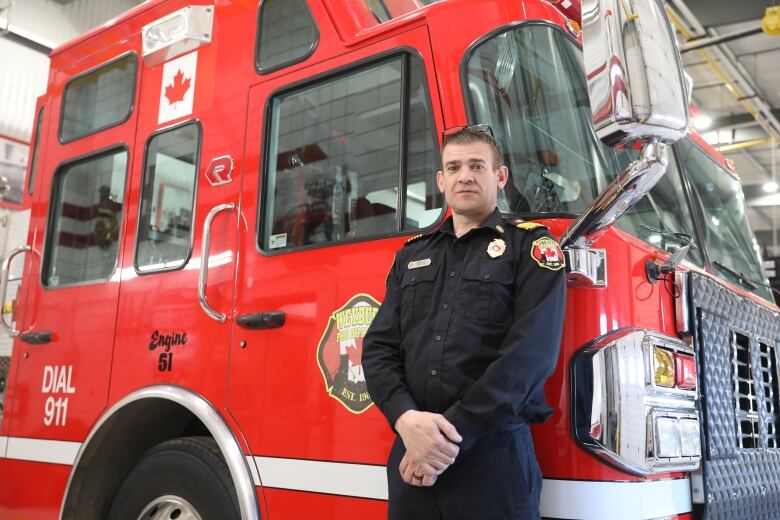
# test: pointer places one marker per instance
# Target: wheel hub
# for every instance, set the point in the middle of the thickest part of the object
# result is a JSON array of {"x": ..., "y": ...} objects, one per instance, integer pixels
[{"x": 169, "y": 507}]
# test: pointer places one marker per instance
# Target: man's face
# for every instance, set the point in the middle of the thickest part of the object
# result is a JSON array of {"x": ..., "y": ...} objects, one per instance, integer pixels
[{"x": 470, "y": 181}]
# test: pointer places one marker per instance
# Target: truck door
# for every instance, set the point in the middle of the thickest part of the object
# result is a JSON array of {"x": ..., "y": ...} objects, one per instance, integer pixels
[
  {"x": 340, "y": 162},
  {"x": 177, "y": 296},
  {"x": 69, "y": 301}
]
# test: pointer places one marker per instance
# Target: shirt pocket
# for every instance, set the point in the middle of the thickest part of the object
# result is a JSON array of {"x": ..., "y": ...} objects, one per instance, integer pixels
[
  {"x": 488, "y": 289},
  {"x": 417, "y": 288}
]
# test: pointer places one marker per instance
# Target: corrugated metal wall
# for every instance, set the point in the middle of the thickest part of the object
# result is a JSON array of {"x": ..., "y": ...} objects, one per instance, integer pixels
[
  {"x": 59, "y": 23},
  {"x": 23, "y": 74},
  {"x": 24, "y": 71}
]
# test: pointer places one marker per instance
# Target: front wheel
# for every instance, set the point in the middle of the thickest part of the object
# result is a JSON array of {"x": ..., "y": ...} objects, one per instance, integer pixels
[{"x": 180, "y": 479}]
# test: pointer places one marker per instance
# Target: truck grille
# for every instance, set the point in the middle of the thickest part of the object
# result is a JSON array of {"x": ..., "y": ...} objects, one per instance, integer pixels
[
  {"x": 755, "y": 383},
  {"x": 737, "y": 342},
  {"x": 745, "y": 393},
  {"x": 767, "y": 370}
]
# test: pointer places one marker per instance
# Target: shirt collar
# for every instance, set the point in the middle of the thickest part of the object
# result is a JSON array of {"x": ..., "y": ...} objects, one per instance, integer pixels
[{"x": 495, "y": 222}]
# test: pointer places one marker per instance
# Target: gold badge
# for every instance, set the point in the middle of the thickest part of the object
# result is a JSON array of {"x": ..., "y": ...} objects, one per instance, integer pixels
[{"x": 496, "y": 248}]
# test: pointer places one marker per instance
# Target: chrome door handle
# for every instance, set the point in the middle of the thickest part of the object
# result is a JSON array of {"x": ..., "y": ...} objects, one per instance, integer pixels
[
  {"x": 4, "y": 275},
  {"x": 204, "y": 262}
]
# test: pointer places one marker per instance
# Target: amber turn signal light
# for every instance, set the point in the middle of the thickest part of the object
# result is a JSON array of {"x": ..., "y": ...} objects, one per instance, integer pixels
[{"x": 663, "y": 367}]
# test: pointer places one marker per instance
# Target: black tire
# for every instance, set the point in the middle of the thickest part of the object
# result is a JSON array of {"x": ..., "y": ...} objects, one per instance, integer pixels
[{"x": 192, "y": 469}]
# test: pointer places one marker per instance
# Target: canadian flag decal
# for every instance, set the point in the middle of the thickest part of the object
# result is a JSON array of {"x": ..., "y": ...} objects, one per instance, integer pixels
[{"x": 177, "y": 92}]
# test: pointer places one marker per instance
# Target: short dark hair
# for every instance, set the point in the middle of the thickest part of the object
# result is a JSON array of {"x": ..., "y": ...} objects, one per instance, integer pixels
[{"x": 471, "y": 134}]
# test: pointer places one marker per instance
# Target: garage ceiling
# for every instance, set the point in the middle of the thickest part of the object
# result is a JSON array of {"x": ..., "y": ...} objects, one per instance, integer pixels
[{"x": 733, "y": 81}]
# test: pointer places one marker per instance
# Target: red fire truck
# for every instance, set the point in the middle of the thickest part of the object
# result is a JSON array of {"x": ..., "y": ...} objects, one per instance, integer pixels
[{"x": 218, "y": 189}]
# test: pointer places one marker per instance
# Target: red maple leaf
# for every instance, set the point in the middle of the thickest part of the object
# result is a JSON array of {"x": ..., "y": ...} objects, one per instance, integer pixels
[{"x": 178, "y": 88}]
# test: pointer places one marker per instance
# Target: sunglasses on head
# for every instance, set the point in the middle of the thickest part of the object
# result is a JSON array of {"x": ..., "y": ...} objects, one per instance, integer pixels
[{"x": 481, "y": 129}]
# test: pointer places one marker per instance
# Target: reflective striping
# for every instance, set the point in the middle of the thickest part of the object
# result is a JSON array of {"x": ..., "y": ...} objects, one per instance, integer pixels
[
  {"x": 3, "y": 444},
  {"x": 585, "y": 500},
  {"x": 335, "y": 478},
  {"x": 42, "y": 450},
  {"x": 250, "y": 462},
  {"x": 615, "y": 500}
]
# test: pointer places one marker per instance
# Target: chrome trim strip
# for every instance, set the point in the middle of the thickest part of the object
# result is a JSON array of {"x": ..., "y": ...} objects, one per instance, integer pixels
[
  {"x": 682, "y": 305},
  {"x": 615, "y": 500},
  {"x": 3, "y": 446},
  {"x": 203, "y": 410},
  {"x": 204, "y": 262}
]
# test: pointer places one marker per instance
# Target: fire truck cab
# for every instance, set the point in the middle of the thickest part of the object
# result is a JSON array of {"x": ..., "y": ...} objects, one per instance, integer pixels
[{"x": 218, "y": 191}]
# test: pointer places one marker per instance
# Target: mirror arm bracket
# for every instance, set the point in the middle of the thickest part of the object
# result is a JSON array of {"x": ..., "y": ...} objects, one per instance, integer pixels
[{"x": 622, "y": 194}]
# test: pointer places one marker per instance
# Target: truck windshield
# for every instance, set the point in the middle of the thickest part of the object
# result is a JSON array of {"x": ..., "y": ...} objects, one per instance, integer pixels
[
  {"x": 528, "y": 83},
  {"x": 731, "y": 246}
]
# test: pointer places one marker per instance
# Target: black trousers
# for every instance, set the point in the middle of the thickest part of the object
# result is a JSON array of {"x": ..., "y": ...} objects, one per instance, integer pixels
[{"x": 496, "y": 479}]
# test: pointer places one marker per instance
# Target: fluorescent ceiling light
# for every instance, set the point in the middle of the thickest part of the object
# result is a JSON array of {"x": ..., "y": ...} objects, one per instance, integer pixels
[{"x": 702, "y": 122}]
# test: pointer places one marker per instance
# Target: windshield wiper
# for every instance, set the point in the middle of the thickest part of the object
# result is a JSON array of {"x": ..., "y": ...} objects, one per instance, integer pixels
[
  {"x": 683, "y": 238},
  {"x": 740, "y": 277},
  {"x": 654, "y": 271}
]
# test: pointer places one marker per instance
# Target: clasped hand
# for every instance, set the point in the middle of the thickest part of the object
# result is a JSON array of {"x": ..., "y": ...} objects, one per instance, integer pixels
[{"x": 429, "y": 440}]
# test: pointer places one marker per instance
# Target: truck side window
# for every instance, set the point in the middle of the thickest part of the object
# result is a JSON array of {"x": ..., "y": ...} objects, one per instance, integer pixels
[
  {"x": 34, "y": 161},
  {"x": 341, "y": 150},
  {"x": 287, "y": 34},
  {"x": 165, "y": 218},
  {"x": 98, "y": 99},
  {"x": 82, "y": 240}
]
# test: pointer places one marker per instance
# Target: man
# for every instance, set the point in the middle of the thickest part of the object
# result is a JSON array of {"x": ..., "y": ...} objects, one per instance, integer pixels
[{"x": 458, "y": 353}]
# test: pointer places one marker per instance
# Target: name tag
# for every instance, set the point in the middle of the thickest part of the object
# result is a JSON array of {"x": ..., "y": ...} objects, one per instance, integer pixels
[{"x": 419, "y": 263}]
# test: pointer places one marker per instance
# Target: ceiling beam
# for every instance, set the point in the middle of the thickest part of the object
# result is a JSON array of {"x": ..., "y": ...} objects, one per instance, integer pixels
[
  {"x": 737, "y": 120},
  {"x": 724, "y": 12}
]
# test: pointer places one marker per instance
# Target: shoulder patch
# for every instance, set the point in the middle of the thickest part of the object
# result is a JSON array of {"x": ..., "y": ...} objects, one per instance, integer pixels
[
  {"x": 547, "y": 253},
  {"x": 529, "y": 226}
]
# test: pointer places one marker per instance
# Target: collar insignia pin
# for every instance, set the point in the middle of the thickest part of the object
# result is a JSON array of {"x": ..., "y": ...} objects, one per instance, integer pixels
[{"x": 496, "y": 248}]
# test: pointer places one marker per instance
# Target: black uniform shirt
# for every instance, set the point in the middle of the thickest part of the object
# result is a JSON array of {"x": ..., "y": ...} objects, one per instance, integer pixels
[{"x": 466, "y": 334}]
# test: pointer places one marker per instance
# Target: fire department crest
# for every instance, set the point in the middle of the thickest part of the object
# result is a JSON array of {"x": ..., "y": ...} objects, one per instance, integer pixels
[
  {"x": 547, "y": 254},
  {"x": 341, "y": 349}
]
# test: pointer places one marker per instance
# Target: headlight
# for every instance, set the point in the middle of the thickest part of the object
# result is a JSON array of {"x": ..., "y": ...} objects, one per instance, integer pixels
[
  {"x": 669, "y": 441},
  {"x": 634, "y": 402}
]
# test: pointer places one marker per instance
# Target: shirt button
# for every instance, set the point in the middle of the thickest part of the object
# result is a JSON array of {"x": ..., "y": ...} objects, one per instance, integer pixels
[
  {"x": 433, "y": 372},
  {"x": 445, "y": 306},
  {"x": 438, "y": 338},
  {"x": 452, "y": 273}
]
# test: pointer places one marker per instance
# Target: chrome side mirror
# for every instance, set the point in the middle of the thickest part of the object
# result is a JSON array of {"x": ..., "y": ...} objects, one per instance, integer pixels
[
  {"x": 636, "y": 82},
  {"x": 638, "y": 91}
]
